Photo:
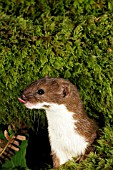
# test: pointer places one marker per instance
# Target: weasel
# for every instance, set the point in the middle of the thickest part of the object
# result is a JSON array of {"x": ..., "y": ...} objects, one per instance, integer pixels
[{"x": 71, "y": 131}]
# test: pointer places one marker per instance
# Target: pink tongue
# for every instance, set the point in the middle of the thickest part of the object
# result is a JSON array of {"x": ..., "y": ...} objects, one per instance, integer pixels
[{"x": 21, "y": 100}]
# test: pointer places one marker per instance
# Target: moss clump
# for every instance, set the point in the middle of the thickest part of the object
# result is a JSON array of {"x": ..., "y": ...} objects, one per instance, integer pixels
[{"x": 69, "y": 39}]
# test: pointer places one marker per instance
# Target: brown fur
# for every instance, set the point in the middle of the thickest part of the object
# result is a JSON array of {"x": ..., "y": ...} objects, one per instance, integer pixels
[
  {"x": 56, "y": 161},
  {"x": 60, "y": 91}
]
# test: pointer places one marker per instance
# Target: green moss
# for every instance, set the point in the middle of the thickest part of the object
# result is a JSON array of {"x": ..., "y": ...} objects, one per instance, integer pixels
[{"x": 70, "y": 39}]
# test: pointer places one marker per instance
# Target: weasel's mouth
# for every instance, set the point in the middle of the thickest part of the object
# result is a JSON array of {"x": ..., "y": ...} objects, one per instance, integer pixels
[
  {"x": 27, "y": 104},
  {"x": 21, "y": 100}
]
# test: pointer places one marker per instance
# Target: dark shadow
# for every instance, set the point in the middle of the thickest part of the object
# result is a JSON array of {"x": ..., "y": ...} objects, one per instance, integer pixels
[{"x": 38, "y": 150}]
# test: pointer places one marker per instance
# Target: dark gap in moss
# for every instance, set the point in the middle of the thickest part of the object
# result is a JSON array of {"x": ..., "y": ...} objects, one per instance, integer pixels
[{"x": 38, "y": 154}]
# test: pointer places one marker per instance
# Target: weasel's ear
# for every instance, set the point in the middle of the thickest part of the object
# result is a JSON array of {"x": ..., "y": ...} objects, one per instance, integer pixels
[{"x": 65, "y": 89}]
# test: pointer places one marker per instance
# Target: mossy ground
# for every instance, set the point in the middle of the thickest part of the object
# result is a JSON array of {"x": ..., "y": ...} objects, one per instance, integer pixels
[{"x": 72, "y": 39}]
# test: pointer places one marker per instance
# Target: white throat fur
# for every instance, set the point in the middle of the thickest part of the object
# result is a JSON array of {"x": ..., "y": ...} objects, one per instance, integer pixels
[{"x": 65, "y": 141}]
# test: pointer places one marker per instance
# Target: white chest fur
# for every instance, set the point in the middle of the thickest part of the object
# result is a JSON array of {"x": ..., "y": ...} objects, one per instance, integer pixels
[{"x": 65, "y": 141}]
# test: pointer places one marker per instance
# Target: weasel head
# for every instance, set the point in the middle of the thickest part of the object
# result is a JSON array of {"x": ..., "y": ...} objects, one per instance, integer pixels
[{"x": 43, "y": 93}]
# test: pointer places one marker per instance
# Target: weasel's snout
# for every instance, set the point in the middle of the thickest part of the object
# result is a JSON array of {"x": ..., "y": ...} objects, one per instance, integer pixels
[{"x": 22, "y": 100}]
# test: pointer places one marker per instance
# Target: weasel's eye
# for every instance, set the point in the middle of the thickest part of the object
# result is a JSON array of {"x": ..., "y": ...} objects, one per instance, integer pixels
[{"x": 40, "y": 91}]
